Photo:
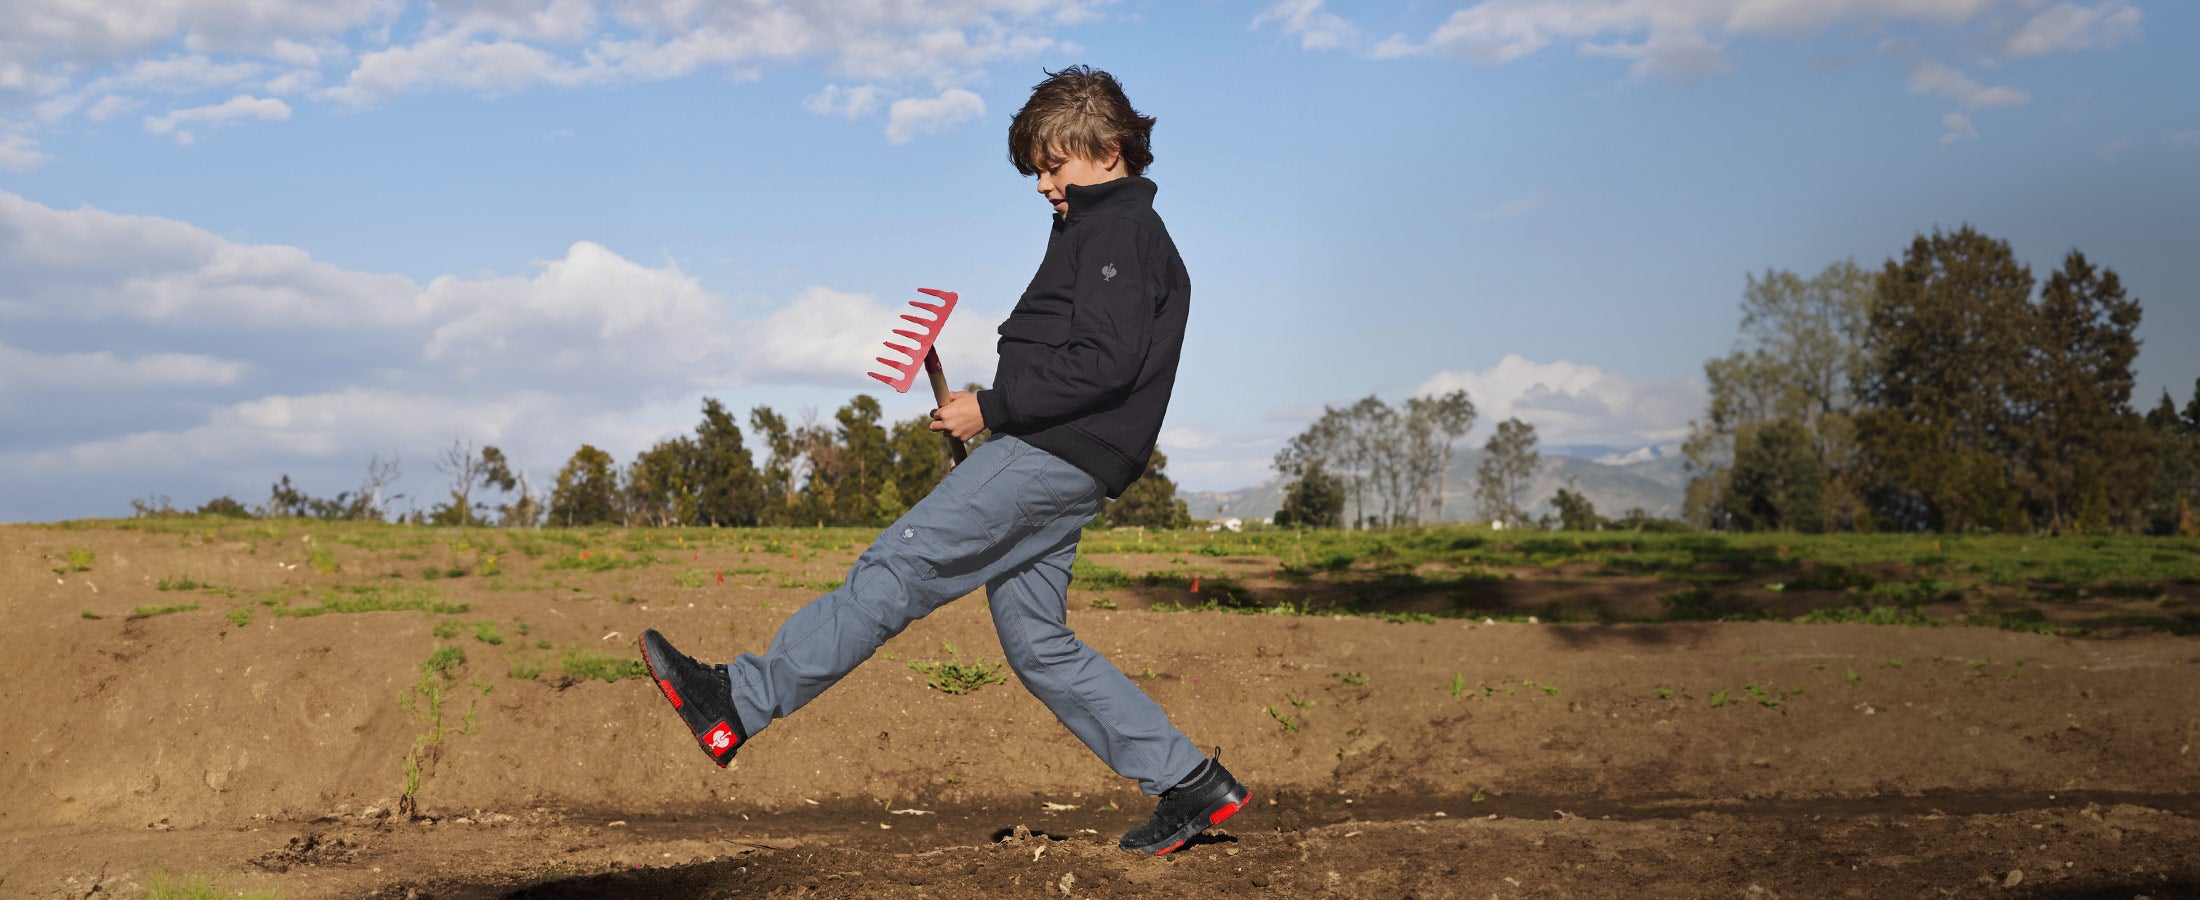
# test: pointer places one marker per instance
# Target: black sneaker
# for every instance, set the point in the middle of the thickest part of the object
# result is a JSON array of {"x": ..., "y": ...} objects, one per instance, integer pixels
[
  {"x": 702, "y": 695},
  {"x": 1198, "y": 804}
]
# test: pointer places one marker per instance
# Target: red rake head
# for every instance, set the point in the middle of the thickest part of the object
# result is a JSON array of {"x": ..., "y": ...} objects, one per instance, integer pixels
[{"x": 928, "y": 330}]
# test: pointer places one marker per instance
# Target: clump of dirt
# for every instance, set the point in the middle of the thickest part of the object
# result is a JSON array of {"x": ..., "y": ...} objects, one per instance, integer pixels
[{"x": 310, "y": 849}]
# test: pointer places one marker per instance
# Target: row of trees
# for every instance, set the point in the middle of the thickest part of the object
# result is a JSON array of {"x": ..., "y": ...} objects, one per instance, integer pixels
[
  {"x": 855, "y": 469},
  {"x": 1375, "y": 465},
  {"x": 1939, "y": 394}
]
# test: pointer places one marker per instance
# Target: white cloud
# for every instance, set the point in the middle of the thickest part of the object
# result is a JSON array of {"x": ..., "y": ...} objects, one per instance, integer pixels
[
  {"x": 1575, "y": 403},
  {"x": 2066, "y": 27},
  {"x": 242, "y": 106},
  {"x": 827, "y": 336},
  {"x": 1682, "y": 40},
  {"x": 588, "y": 346},
  {"x": 1317, "y": 28},
  {"x": 846, "y": 102},
  {"x": 1179, "y": 437},
  {"x": 1673, "y": 54},
  {"x": 2113, "y": 149},
  {"x": 108, "y": 107},
  {"x": 563, "y": 21},
  {"x": 2189, "y": 137},
  {"x": 1956, "y": 127},
  {"x": 23, "y": 371},
  {"x": 1934, "y": 77},
  {"x": 1517, "y": 207},
  {"x": 19, "y": 152},
  {"x": 912, "y": 117}
]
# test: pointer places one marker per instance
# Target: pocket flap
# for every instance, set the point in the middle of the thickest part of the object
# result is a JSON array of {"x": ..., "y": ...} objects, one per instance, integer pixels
[{"x": 1049, "y": 330}]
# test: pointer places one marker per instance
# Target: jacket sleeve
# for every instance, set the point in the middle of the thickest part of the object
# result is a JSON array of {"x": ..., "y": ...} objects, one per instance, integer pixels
[{"x": 1111, "y": 321}]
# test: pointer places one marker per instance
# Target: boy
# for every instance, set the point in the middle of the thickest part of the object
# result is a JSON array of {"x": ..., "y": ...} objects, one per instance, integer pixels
[{"x": 1087, "y": 361}]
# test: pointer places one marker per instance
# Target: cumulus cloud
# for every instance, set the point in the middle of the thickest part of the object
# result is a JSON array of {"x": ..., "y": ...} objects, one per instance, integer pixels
[
  {"x": 1684, "y": 40},
  {"x": 242, "y": 106},
  {"x": 825, "y": 336},
  {"x": 2187, "y": 138},
  {"x": 846, "y": 102},
  {"x": 23, "y": 371},
  {"x": 268, "y": 358},
  {"x": 19, "y": 152},
  {"x": 1955, "y": 127},
  {"x": 60, "y": 55},
  {"x": 1316, "y": 28},
  {"x": 915, "y": 116},
  {"x": 1934, "y": 77},
  {"x": 1575, "y": 403},
  {"x": 2065, "y": 27}
]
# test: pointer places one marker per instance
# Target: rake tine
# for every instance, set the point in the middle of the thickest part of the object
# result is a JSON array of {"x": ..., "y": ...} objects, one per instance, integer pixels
[
  {"x": 911, "y": 351},
  {"x": 930, "y": 307},
  {"x": 929, "y": 325},
  {"x": 909, "y": 334}
]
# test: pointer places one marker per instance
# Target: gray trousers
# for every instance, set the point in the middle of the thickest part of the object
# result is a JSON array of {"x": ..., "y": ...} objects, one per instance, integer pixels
[{"x": 1009, "y": 519}]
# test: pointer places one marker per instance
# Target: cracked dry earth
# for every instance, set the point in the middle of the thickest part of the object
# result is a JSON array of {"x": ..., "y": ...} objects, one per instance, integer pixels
[{"x": 1455, "y": 759}]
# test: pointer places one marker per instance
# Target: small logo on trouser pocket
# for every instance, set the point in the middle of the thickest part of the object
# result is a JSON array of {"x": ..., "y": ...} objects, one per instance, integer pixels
[{"x": 908, "y": 533}]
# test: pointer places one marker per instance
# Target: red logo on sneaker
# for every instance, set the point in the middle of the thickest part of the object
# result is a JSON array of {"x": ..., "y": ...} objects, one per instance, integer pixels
[
  {"x": 720, "y": 739},
  {"x": 1226, "y": 812},
  {"x": 670, "y": 694}
]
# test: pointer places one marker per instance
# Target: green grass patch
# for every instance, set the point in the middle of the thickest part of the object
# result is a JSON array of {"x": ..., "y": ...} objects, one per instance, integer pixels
[
  {"x": 598, "y": 561},
  {"x": 180, "y": 583},
  {"x": 91, "y": 615},
  {"x": 322, "y": 559},
  {"x": 953, "y": 676},
  {"x": 147, "y": 612},
  {"x": 240, "y": 616},
  {"x": 164, "y": 887},
  {"x": 371, "y": 598},
  {"x": 1875, "y": 615},
  {"x": 582, "y": 665}
]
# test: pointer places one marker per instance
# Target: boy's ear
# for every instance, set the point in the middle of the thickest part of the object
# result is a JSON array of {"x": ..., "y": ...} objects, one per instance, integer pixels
[{"x": 1115, "y": 156}]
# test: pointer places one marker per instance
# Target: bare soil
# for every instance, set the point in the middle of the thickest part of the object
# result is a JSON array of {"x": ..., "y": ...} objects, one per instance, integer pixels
[{"x": 1386, "y": 759}]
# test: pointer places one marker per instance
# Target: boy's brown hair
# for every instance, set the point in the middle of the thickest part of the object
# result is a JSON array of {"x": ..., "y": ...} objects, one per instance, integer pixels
[{"x": 1079, "y": 110}]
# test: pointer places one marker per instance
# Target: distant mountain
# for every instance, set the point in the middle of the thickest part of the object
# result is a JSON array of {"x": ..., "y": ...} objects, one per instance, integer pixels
[{"x": 1651, "y": 479}]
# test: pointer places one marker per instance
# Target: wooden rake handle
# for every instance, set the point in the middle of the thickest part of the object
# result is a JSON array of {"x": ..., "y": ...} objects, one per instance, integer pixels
[{"x": 956, "y": 452}]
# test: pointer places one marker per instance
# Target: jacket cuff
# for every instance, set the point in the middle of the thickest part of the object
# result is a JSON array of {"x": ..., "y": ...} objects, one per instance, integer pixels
[{"x": 994, "y": 408}]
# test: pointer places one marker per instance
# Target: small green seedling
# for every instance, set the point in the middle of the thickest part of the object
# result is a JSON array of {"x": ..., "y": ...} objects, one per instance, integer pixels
[
  {"x": 1718, "y": 700},
  {"x": 1351, "y": 678}
]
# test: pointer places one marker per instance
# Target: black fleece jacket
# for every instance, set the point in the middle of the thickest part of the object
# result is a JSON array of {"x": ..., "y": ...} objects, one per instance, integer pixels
[{"x": 1088, "y": 357}]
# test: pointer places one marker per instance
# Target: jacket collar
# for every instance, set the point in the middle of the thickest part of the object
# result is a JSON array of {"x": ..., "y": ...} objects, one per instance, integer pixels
[{"x": 1085, "y": 199}]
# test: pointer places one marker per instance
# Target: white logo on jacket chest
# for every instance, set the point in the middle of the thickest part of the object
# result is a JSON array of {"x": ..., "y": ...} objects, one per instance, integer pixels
[{"x": 1107, "y": 272}]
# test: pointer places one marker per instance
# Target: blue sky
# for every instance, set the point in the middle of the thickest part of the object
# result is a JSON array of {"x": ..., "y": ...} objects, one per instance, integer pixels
[{"x": 240, "y": 239}]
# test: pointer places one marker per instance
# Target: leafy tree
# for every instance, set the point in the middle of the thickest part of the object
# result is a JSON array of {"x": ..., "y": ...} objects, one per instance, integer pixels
[
  {"x": 468, "y": 472},
  {"x": 1451, "y": 416},
  {"x": 1501, "y": 482},
  {"x": 2084, "y": 457},
  {"x": 1575, "y": 512},
  {"x": 781, "y": 478},
  {"x": 1799, "y": 357},
  {"x": 663, "y": 483},
  {"x": 1948, "y": 337},
  {"x": 586, "y": 492},
  {"x": 224, "y": 506},
  {"x": 2169, "y": 508},
  {"x": 1151, "y": 501},
  {"x": 920, "y": 459},
  {"x": 1778, "y": 484},
  {"x": 725, "y": 480},
  {"x": 524, "y": 510},
  {"x": 1315, "y": 500},
  {"x": 865, "y": 461}
]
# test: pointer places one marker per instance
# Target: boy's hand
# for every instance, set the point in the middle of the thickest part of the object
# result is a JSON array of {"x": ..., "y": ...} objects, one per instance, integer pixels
[{"x": 961, "y": 416}]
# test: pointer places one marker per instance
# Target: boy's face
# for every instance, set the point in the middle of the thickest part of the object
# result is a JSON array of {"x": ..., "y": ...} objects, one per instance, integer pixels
[{"x": 1058, "y": 171}]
